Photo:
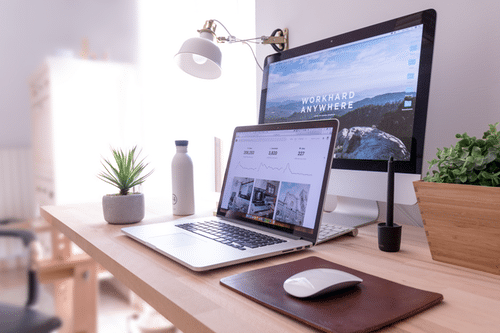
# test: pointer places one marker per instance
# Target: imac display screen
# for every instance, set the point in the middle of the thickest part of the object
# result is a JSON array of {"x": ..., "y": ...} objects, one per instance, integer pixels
[{"x": 374, "y": 80}]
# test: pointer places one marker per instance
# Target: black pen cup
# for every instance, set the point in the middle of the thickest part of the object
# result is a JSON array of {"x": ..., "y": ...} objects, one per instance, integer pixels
[{"x": 389, "y": 237}]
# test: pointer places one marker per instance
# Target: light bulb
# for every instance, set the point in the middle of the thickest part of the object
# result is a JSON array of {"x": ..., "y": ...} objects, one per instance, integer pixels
[{"x": 200, "y": 60}]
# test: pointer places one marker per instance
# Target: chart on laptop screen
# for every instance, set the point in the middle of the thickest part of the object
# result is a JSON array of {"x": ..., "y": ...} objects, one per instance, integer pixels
[{"x": 276, "y": 176}]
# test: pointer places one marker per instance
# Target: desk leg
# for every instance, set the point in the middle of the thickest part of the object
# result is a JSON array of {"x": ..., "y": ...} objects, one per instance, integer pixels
[
  {"x": 85, "y": 289},
  {"x": 76, "y": 300},
  {"x": 63, "y": 302},
  {"x": 61, "y": 245},
  {"x": 75, "y": 285},
  {"x": 75, "y": 297}
]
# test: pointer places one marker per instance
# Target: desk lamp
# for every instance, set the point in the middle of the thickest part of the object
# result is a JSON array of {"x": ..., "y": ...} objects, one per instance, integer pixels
[{"x": 201, "y": 57}]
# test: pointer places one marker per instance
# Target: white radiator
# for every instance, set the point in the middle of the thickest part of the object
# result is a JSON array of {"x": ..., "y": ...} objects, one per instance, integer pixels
[{"x": 16, "y": 184}]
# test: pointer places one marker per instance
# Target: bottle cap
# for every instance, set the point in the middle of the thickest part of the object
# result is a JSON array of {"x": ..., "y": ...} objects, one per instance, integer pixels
[{"x": 181, "y": 143}]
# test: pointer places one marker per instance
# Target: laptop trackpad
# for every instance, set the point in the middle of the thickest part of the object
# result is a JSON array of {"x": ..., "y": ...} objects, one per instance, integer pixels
[{"x": 173, "y": 240}]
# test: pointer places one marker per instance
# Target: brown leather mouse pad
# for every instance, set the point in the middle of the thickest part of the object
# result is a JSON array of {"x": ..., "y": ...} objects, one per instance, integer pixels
[{"x": 369, "y": 306}]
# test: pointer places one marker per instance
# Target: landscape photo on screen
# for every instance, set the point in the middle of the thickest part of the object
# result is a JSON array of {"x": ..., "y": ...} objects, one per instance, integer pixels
[{"x": 369, "y": 85}]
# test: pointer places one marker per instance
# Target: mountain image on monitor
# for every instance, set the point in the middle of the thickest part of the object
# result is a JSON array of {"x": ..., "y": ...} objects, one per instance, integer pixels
[
  {"x": 375, "y": 128},
  {"x": 370, "y": 86}
]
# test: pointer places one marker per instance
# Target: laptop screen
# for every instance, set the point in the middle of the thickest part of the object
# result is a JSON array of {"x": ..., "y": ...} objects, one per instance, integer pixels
[{"x": 277, "y": 175}]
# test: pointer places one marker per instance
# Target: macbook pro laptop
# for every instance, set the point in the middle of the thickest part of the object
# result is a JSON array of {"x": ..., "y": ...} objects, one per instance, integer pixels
[{"x": 271, "y": 200}]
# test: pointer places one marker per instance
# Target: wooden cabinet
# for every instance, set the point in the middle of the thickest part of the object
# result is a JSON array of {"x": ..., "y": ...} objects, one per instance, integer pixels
[{"x": 80, "y": 108}]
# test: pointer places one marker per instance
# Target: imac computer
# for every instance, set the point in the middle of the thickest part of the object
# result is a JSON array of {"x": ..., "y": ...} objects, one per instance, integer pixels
[{"x": 376, "y": 81}]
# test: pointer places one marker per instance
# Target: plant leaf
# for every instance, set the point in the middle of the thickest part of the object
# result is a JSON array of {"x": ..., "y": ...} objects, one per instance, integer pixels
[
  {"x": 127, "y": 172},
  {"x": 470, "y": 161}
]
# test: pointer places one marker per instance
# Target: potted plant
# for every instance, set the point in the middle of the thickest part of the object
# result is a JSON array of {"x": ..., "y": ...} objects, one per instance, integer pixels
[
  {"x": 125, "y": 206},
  {"x": 459, "y": 201}
]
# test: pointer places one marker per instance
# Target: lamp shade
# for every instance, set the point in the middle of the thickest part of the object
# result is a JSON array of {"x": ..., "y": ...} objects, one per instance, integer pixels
[{"x": 200, "y": 57}]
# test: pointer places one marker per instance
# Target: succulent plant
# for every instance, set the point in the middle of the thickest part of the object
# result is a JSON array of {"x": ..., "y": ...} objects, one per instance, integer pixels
[{"x": 126, "y": 173}]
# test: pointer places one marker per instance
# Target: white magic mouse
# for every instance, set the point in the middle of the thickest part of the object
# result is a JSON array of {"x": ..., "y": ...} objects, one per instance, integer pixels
[{"x": 319, "y": 281}]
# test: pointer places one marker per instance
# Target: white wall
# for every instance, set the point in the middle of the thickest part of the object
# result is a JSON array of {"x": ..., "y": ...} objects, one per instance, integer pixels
[
  {"x": 32, "y": 30},
  {"x": 465, "y": 79},
  {"x": 177, "y": 106}
]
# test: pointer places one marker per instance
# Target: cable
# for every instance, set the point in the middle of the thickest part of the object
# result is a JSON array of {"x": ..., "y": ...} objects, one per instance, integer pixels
[
  {"x": 219, "y": 22},
  {"x": 254, "y": 56}
]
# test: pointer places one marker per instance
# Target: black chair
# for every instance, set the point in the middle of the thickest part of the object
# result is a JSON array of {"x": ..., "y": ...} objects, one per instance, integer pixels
[{"x": 24, "y": 319}]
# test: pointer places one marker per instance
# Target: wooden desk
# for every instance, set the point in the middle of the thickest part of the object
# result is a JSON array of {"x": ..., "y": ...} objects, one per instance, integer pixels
[{"x": 196, "y": 302}]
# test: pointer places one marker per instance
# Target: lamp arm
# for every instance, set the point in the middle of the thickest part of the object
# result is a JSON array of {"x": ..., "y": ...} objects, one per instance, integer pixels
[
  {"x": 272, "y": 40},
  {"x": 233, "y": 39}
]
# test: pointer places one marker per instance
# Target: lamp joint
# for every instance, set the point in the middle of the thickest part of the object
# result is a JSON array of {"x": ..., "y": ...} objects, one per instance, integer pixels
[
  {"x": 283, "y": 39},
  {"x": 209, "y": 26}
]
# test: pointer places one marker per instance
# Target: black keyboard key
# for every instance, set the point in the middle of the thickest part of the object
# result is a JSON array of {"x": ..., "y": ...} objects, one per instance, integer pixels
[{"x": 236, "y": 237}]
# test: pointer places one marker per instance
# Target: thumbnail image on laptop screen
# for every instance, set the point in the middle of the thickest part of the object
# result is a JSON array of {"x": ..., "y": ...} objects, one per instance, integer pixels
[{"x": 275, "y": 177}]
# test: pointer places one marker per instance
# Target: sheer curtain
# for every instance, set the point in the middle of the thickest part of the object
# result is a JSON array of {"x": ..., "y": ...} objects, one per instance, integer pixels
[{"x": 177, "y": 106}]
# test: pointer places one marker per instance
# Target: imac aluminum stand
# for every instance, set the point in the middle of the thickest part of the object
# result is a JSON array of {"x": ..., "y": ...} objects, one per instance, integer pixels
[{"x": 349, "y": 212}]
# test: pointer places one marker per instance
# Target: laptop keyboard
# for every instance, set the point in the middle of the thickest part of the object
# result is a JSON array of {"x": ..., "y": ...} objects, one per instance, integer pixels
[
  {"x": 230, "y": 235},
  {"x": 330, "y": 231}
]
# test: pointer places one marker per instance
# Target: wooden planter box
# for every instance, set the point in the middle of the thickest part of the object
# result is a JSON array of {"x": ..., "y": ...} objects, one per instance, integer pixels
[{"x": 462, "y": 223}]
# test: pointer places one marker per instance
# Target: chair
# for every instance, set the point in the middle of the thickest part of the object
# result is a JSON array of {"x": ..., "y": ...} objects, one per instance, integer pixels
[{"x": 24, "y": 319}]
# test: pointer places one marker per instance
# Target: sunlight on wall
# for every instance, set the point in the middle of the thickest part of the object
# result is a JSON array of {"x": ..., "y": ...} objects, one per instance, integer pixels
[{"x": 177, "y": 106}]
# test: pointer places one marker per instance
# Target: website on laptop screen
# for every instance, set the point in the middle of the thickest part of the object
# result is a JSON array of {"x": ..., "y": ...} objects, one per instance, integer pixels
[{"x": 275, "y": 177}]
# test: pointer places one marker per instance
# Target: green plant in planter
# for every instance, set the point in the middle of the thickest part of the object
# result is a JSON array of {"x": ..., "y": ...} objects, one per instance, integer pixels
[
  {"x": 127, "y": 172},
  {"x": 471, "y": 161}
]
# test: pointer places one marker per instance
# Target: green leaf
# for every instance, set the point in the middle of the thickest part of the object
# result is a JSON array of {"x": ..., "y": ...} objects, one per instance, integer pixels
[
  {"x": 126, "y": 173},
  {"x": 469, "y": 161}
]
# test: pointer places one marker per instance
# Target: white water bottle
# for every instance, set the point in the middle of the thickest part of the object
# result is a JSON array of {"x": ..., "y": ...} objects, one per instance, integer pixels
[{"x": 182, "y": 181}]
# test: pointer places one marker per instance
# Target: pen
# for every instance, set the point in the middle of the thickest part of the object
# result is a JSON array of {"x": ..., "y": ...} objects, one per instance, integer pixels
[{"x": 390, "y": 192}]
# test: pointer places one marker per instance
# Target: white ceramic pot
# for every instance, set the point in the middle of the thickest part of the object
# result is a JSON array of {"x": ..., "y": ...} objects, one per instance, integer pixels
[{"x": 123, "y": 209}]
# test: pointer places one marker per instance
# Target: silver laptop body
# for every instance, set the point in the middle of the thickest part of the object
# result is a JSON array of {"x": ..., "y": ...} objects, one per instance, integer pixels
[{"x": 275, "y": 184}]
